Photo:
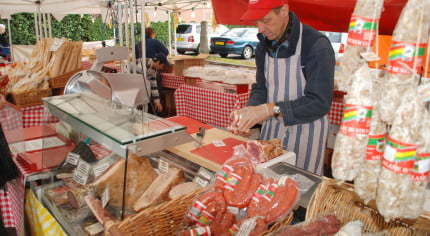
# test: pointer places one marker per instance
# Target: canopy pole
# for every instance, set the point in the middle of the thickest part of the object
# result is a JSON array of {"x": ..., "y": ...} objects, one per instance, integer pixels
[
  {"x": 45, "y": 30},
  {"x": 143, "y": 40},
  {"x": 120, "y": 25},
  {"x": 49, "y": 25},
  {"x": 10, "y": 41},
  {"x": 40, "y": 25},
  {"x": 133, "y": 40},
  {"x": 169, "y": 28},
  {"x": 36, "y": 27}
]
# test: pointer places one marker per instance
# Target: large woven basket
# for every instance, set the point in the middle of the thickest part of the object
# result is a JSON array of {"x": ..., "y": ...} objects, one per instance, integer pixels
[
  {"x": 341, "y": 199},
  {"x": 167, "y": 218},
  {"x": 28, "y": 99},
  {"x": 61, "y": 80}
]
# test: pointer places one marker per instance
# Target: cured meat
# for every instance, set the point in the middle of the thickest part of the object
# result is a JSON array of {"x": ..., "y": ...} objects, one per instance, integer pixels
[
  {"x": 240, "y": 194},
  {"x": 159, "y": 189},
  {"x": 414, "y": 205},
  {"x": 182, "y": 189},
  {"x": 399, "y": 155},
  {"x": 326, "y": 225},
  {"x": 140, "y": 176},
  {"x": 102, "y": 215},
  {"x": 208, "y": 207},
  {"x": 367, "y": 178},
  {"x": 361, "y": 34},
  {"x": 231, "y": 173},
  {"x": 273, "y": 200},
  {"x": 222, "y": 226},
  {"x": 407, "y": 50},
  {"x": 250, "y": 226},
  {"x": 264, "y": 150},
  {"x": 351, "y": 141}
]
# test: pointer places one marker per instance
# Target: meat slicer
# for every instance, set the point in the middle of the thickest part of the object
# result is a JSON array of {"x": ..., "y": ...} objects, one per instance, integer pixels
[{"x": 128, "y": 89}]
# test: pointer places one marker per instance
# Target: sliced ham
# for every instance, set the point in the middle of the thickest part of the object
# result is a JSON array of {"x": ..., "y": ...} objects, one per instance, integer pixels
[
  {"x": 159, "y": 189},
  {"x": 140, "y": 175},
  {"x": 265, "y": 150}
]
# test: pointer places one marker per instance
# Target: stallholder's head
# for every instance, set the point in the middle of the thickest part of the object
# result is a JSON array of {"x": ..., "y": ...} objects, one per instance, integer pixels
[
  {"x": 270, "y": 16},
  {"x": 160, "y": 61}
]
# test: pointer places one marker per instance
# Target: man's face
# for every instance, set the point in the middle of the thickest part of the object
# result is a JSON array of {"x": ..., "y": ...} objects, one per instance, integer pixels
[
  {"x": 158, "y": 65},
  {"x": 274, "y": 23}
]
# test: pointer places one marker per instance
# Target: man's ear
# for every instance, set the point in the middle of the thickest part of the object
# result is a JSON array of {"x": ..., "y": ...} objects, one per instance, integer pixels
[{"x": 285, "y": 9}]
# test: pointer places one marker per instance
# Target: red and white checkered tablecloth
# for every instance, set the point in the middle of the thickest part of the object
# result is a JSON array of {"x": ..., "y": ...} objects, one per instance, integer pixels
[
  {"x": 6, "y": 210},
  {"x": 169, "y": 80},
  {"x": 336, "y": 112},
  {"x": 208, "y": 106},
  {"x": 10, "y": 118},
  {"x": 34, "y": 115}
]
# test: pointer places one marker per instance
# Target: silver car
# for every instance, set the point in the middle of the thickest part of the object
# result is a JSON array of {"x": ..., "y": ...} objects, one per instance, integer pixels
[{"x": 188, "y": 36}]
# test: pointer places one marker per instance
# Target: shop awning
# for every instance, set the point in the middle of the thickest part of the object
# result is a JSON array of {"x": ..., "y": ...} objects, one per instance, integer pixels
[{"x": 325, "y": 15}]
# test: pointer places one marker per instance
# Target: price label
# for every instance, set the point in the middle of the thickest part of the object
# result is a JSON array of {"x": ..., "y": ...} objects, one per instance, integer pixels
[
  {"x": 201, "y": 182},
  {"x": 218, "y": 143},
  {"x": 105, "y": 197},
  {"x": 81, "y": 172},
  {"x": 57, "y": 44},
  {"x": 247, "y": 227},
  {"x": 73, "y": 158},
  {"x": 163, "y": 165},
  {"x": 100, "y": 168}
]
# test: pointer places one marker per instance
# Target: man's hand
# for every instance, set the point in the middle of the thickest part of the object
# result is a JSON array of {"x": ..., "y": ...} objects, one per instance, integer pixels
[
  {"x": 244, "y": 119},
  {"x": 158, "y": 107}
]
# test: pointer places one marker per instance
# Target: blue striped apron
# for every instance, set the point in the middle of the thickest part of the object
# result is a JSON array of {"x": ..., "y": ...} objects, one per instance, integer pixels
[{"x": 285, "y": 81}]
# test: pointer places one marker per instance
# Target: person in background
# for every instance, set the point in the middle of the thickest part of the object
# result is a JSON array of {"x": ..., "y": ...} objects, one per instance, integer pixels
[
  {"x": 294, "y": 84},
  {"x": 8, "y": 168},
  {"x": 4, "y": 43},
  {"x": 153, "y": 67},
  {"x": 152, "y": 45}
]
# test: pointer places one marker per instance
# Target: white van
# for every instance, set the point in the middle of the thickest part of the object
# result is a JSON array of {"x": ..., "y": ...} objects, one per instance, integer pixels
[{"x": 188, "y": 36}]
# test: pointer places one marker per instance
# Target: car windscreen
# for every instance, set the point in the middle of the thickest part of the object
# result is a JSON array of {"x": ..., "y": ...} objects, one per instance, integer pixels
[
  {"x": 184, "y": 29},
  {"x": 236, "y": 32}
]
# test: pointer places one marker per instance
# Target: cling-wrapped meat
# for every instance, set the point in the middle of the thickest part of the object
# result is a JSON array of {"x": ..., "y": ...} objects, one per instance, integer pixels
[
  {"x": 399, "y": 155},
  {"x": 367, "y": 178},
  {"x": 361, "y": 34},
  {"x": 407, "y": 49},
  {"x": 350, "y": 145},
  {"x": 419, "y": 174}
]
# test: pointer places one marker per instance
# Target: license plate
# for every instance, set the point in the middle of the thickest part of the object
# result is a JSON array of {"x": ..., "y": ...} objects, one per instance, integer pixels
[
  {"x": 219, "y": 43},
  {"x": 180, "y": 39}
]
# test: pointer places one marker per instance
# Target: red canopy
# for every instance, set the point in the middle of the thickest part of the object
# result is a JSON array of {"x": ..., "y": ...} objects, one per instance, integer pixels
[{"x": 325, "y": 15}]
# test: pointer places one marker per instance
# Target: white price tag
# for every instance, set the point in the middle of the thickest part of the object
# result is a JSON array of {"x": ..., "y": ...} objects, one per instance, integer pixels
[
  {"x": 201, "y": 182},
  {"x": 370, "y": 56},
  {"x": 247, "y": 226},
  {"x": 424, "y": 91},
  {"x": 81, "y": 172},
  {"x": 205, "y": 173},
  {"x": 100, "y": 168},
  {"x": 105, "y": 197},
  {"x": 73, "y": 158},
  {"x": 163, "y": 165},
  {"x": 218, "y": 143},
  {"x": 79, "y": 178},
  {"x": 56, "y": 45}
]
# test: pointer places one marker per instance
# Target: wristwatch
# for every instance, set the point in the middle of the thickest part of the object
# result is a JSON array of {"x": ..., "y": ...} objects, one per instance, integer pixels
[{"x": 276, "y": 110}]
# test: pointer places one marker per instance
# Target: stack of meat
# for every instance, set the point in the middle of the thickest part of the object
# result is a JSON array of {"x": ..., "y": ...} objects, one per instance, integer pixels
[{"x": 241, "y": 201}]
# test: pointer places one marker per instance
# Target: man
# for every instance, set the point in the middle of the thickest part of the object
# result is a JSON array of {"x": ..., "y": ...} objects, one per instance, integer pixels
[
  {"x": 294, "y": 85},
  {"x": 153, "y": 67},
  {"x": 152, "y": 45}
]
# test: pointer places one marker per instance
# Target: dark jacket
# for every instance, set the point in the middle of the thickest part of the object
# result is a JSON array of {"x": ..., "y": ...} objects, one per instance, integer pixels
[
  {"x": 153, "y": 46},
  {"x": 8, "y": 169},
  {"x": 318, "y": 65}
]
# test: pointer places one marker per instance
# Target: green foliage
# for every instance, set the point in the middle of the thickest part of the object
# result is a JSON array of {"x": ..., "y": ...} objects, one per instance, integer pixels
[{"x": 73, "y": 27}]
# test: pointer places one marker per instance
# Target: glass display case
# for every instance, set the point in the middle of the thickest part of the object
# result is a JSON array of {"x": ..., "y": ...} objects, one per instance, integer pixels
[{"x": 110, "y": 164}]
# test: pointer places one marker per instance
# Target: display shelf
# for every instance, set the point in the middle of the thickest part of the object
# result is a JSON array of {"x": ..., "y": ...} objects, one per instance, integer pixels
[{"x": 116, "y": 126}]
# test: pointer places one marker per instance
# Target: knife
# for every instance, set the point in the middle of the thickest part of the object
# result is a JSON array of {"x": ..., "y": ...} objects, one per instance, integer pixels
[{"x": 199, "y": 137}]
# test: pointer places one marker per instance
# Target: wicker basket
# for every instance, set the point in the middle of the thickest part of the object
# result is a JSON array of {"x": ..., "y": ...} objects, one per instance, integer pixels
[
  {"x": 167, "y": 218},
  {"x": 330, "y": 196},
  {"x": 61, "y": 80},
  {"x": 27, "y": 99}
]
